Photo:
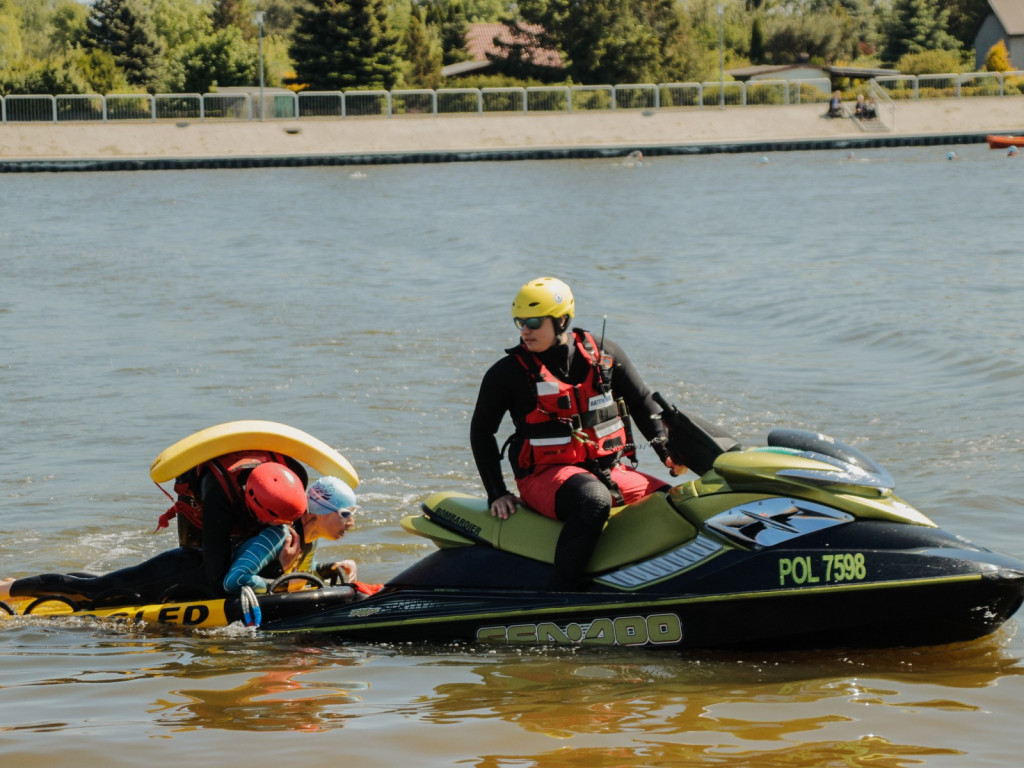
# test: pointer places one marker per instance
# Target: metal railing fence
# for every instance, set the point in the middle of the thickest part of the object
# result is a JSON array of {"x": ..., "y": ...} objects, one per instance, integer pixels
[
  {"x": 958, "y": 86},
  {"x": 247, "y": 106},
  {"x": 885, "y": 107}
]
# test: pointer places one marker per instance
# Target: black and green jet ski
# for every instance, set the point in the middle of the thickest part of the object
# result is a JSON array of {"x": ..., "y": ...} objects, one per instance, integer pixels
[{"x": 798, "y": 543}]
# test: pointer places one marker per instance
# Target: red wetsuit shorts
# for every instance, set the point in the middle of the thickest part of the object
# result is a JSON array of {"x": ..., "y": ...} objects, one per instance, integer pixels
[{"x": 537, "y": 490}]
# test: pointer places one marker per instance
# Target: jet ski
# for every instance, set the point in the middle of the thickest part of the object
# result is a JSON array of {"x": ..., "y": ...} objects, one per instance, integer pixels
[{"x": 798, "y": 543}]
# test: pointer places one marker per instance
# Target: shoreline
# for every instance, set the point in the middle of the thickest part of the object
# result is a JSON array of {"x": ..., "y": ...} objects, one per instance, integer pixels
[{"x": 170, "y": 145}]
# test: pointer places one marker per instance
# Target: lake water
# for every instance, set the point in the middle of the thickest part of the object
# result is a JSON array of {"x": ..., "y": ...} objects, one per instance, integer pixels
[{"x": 874, "y": 297}]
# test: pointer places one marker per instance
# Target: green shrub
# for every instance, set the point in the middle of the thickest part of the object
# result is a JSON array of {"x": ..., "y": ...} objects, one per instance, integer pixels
[
  {"x": 1013, "y": 85},
  {"x": 929, "y": 63}
]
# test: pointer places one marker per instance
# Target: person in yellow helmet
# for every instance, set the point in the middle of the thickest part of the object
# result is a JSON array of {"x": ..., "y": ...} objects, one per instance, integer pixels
[{"x": 572, "y": 452}]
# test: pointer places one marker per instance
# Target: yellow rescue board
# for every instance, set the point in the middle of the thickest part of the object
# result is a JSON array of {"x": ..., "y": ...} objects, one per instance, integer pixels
[
  {"x": 203, "y": 613},
  {"x": 250, "y": 435}
]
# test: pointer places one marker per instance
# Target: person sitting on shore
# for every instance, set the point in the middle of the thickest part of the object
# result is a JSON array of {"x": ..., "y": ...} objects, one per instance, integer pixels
[
  {"x": 835, "y": 106},
  {"x": 860, "y": 107}
]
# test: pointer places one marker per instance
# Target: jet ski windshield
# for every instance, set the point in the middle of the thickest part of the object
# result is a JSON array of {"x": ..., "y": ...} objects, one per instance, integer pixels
[{"x": 856, "y": 467}]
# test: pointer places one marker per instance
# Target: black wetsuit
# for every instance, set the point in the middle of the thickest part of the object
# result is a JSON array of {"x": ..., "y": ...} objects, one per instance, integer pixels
[
  {"x": 582, "y": 503},
  {"x": 227, "y": 522},
  {"x": 181, "y": 573},
  {"x": 225, "y": 525},
  {"x": 177, "y": 574}
]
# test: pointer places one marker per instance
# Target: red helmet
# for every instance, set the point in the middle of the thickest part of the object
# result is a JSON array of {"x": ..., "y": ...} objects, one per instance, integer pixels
[{"x": 275, "y": 494}]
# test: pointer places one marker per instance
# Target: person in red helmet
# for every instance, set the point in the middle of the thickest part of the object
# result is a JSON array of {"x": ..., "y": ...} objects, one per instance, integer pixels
[
  {"x": 263, "y": 495},
  {"x": 572, "y": 452},
  {"x": 275, "y": 494},
  {"x": 229, "y": 499}
]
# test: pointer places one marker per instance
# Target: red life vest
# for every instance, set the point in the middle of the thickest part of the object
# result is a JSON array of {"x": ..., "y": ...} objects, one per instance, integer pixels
[
  {"x": 230, "y": 471},
  {"x": 572, "y": 424}
]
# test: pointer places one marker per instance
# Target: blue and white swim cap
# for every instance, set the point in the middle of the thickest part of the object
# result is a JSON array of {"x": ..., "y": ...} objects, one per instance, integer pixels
[{"x": 329, "y": 495}]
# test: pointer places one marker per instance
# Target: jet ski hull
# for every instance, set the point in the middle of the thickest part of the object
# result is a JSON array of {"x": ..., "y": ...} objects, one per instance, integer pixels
[
  {"x": 779, "y": 599},
  {"x": 926, "y": 613},
  {"x": 926, "y": 594}
]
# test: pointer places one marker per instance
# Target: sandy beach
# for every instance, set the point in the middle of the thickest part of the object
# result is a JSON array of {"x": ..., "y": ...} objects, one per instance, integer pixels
[{"x": 952, "y": 119}]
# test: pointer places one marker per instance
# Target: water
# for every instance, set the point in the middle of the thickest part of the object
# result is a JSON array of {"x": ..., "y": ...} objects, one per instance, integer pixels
[{"x": 875, "y": 298}]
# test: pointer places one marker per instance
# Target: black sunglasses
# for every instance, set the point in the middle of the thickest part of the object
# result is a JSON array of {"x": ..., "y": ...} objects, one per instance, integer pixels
[{"x": 533, "y": 323}]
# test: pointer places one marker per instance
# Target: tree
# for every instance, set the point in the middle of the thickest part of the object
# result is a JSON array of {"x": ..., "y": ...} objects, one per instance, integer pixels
[
  {"x": 98, "y": 68},
  {"x": 859, "y": 22},
  {"x": 816, "y": 37},
  {"x": 915, "y": 26},
  {"x": 222, "y": 58},
  {"x": 233, "y": 13},
  {"x": 422, "y": 53},
  {"x": 69, "y": 26},
  {"x": 998, "y": 58},
  {"x": 487, "y": 10},
  {"x": 10, "y": 41},
  {"x": 965, "y": 16},
  {"x": 54, "y": 76},
  {"x": 614, "y": 41},
  {"x": 279, "y": 16},
  {"x": 119, "y": 26},
  {"x": 449, "y": 16},
  {"x": 178, "y": 22},
  {"x": 340, "y": 44},
  {"x": 756, "y": 42}
]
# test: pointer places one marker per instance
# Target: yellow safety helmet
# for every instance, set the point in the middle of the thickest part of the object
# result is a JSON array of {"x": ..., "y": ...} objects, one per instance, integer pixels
[{"x": 544, "y": 297}]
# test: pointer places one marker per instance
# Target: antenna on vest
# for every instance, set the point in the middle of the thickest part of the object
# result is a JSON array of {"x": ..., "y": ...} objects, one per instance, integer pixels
[{"x": 602, "y": 362}]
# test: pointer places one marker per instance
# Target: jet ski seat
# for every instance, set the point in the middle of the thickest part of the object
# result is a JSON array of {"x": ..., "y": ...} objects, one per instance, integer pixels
[{"x": 634, "y": 532}]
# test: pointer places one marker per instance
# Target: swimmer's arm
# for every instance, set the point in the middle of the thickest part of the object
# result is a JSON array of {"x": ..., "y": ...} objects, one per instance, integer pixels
[{"x": 253, "y": 556}]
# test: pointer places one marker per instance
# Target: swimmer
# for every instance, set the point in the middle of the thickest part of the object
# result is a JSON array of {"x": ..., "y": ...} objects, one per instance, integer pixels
[
  {"x": 951, "y": 156},
  {"x": 1011, "y": 152},
  {"x": 634, "y": 159}
]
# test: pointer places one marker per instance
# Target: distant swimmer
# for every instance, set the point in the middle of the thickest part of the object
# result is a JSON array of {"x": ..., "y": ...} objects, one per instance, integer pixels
[
  {"x": 634, "y": 159},
  {"x": 1011, "y": 152},
  {"x": 763, "y": 161},
  {"x": 952, "y": 156}
]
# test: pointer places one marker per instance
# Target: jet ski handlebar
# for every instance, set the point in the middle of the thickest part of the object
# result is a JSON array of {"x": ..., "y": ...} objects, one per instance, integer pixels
[{"x": 692, "y": 441}]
